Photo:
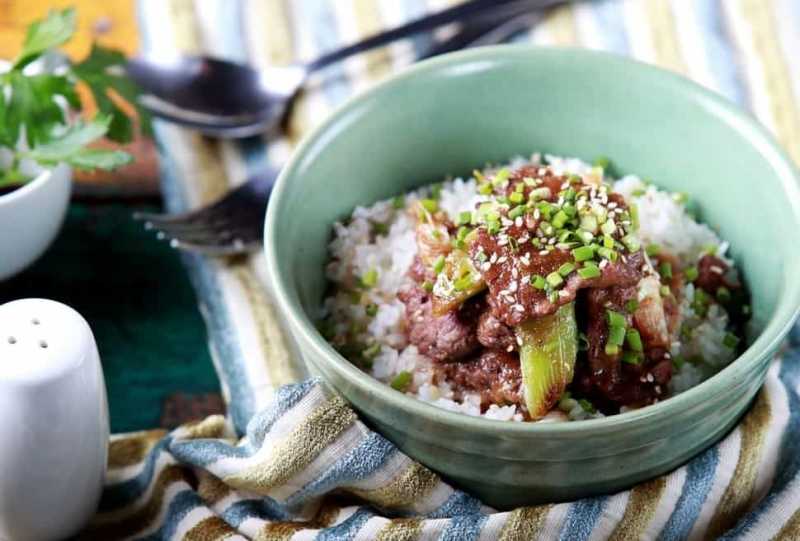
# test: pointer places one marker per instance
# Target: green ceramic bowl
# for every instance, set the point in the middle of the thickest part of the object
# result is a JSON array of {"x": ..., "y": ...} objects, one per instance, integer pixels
[{"x": 456, "y": 112}]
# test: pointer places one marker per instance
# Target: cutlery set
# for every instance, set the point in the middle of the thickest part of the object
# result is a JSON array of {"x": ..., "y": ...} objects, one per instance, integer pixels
[{"x": 227, "y": 100}]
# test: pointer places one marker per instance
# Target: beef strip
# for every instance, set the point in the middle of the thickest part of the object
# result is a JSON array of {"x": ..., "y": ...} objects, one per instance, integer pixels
[
  {"x": 494, "y": 374},
  {"x": 514, "y": 299},
  {"x": 605, "y": 378},
  {"x": 494, "y": 334},
  {"x": 445, "y": 338},
  {"x": 711, "y": 274}
]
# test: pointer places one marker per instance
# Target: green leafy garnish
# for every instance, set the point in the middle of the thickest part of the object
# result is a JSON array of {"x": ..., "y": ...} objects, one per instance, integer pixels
[{"x": 37, "y": 110}]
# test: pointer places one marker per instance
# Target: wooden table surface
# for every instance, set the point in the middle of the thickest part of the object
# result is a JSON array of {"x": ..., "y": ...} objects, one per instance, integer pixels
[{"x": 111, "y": 23}]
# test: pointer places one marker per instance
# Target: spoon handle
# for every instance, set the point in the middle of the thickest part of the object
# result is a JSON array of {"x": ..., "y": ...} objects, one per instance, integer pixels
[{"x": 430, "y": 22}]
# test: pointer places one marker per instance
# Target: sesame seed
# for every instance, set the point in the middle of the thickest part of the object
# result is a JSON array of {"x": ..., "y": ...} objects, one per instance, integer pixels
[
  {"x": 493, "y": 259},
  {"x": 715, "y": 269},
  {"x": 512, "y": 287},
  {"x": 543, "y": 252},
  {"x": 563, "y": 293},
  {"x": 603, "y": 263},
  {"x": 650, "y": 377},
  {"x": 502, "y": 259},
  {"x": 510, "y": 348},
  {"x": 518, "y": 221},
  {"x": 514, "y": 272}
]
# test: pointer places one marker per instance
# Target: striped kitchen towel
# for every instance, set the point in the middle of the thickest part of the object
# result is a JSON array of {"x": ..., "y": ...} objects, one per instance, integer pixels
[{"x": 306, "y": 467}]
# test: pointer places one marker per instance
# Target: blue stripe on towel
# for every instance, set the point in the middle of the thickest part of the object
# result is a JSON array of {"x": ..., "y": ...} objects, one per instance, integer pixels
[
  {"x": 181, "y": 505},
  {"x": 348, "y": 529},
  {"x": 459, "y": 503},
  {"x": 264, "y": 508},
  {"x": 581, "y": 519},
  {"x": 789, "y": 456},
  {"x": 700, "y": 474},
  {"x": 722, "y": 61},
  {"x": 464, "y": 528},
  {"x": 325, "y": 35},
  {"x": 361, "y": 462},
  {"x": 611, "y": 23},
  {"x": 121, "y": 494}
]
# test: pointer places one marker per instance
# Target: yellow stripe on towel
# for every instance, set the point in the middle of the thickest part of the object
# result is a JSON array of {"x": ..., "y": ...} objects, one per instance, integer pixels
[
  {"x": 132, "y": 450},
  {"x": 321, "y": 427},
  {"x": 369, "y": 21},
  {"x": 642, "y": 504},
  {"x": 405, "y": 490},
  {"x": 759, "y": 15},
  {"x": 736, "y": 499},
  {"x": 560, "y": 25},
  {"x": 663, "y": 34},
  {"x": 401, "y": 529},
  {"x": 524, "y": 523},
  {"x": 186, "y": 32}
]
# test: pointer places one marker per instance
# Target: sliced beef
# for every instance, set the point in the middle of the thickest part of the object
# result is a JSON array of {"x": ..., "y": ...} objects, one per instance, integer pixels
[
  {"x": 496, "y": 375},
  {"x": 515, "y": 300},
  {"x": 711, "y": 272},
  {"x": 608, "y": 381},
  {"x": 494, "y": 334},
  {"x": 443, "y": 338},
  {"x": 419, "y": 272}
]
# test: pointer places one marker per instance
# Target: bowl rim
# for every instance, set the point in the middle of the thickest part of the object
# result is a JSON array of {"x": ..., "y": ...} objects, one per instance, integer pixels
[
  {"x": 43, "y": 177},
  {"x": 730, "y": 377}
]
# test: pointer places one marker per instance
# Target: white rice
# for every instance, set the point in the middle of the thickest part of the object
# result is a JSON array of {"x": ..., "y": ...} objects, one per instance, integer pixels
[{"x": 355, "y": 252}]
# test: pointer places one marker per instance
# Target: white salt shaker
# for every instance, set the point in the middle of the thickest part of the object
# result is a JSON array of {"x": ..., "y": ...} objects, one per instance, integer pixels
[{"x": 53, "y": 421}]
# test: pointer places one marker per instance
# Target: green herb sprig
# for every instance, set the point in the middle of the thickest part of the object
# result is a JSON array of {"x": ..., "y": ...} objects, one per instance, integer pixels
[{"x": 38, "y": 111}]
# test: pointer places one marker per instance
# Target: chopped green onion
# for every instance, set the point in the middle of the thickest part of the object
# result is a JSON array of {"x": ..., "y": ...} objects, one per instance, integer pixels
[
  {"x": 631, "y": 306},
  {"x": 615, "y": 319},
  {"x": 678, "y": 361},
  {"x": 554, "y": 279},
  {"x": 371, "y": 309},
  {"x": 680, "y": 197},
  {"x": 501, "y": 177},
  {"x": 552, "y": 297},
  {"x": 634, "y": 340},
  {"x": 632, "y": 357},
  {"x": 560, "y": 219},
  {"x": 631, "y": 243},
  {"x": 583, "y": 253},
  {"x": 586, "y": 405},
  {"x": 539, "y": 193},
  {"x": 399, "y": 202},
  {"x": 538, "y": 281},
  {"x": 723, "y": 294},
  {"x": 464, "y": 218},
  {"x": 589, "y": 222},
  {"x": 730, "y": 341},
  {"x": 464, "y": 283},
  {"x": 601, "y": 161},
  {"x": 370, "y": 278},
  {"x": 607, "y": 253},
  {"x": 371, "y": 351},
  {"x": 565, "y": 269},
  {"x": 665, "y": 291},
  {"x": 485, "y": 189},
  {"x": 427, "y": 286},
  {"x": 611, "y": 350},
  {"x": 691, "y": 273},
  {"x": 516, "y": 212},
  {"x": 634, "y": 212},
  {"x": 438, "y": 265},
  {"x": 665, "y": 270},
  {"x": 608, "y": 241},
  {"x": 616, "y": 336},
  {"x": 609, "y": 227},
  {"x": 519, "y": 186},
  {"x": 379, "y": 228},
  {"x": 589, "y": 271},
  {"x": 401, "y": 381},
  {"x": 493, "y": 227},
  {"x": 462, "y": 232},
  {"x": 436, "y": 190},
  {"x": 652, "y": 249},
  {"x": 516, "y": 198},
  {"x": 430, "y": 205},
  {"x": 638, "y": 192}
]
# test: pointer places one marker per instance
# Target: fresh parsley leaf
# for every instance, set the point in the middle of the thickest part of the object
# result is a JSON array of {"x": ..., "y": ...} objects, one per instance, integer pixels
[
  {"x": 50, "y": 32},
  {"x": 32, "y": 105},
  {"x": 103, "y": 72},
  {"x": 68, "y": 146}
]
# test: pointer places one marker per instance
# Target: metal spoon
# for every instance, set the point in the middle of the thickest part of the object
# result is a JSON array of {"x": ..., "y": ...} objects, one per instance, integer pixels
[{"x": 228, "y": 100}]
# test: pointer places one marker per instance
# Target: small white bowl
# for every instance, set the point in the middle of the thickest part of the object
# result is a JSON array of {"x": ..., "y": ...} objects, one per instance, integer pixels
[{"x": 30, "y": 218}]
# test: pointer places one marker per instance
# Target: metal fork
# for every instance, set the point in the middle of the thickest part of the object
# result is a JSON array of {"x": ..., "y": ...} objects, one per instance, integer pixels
[
  {"x": 231, "y": 225},
  {"x": 234, "y": 224}
]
